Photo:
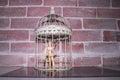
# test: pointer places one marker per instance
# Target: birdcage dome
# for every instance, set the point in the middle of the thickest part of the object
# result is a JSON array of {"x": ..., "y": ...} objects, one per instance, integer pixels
[{"x": 52, "y": 25}]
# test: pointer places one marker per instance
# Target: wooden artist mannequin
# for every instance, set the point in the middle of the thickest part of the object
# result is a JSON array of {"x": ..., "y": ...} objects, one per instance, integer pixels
[{"x": 50, "y": 57}]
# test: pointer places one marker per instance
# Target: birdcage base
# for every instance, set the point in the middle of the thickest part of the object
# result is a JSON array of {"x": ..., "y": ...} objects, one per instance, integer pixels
[{"x": 54, "y": 69}]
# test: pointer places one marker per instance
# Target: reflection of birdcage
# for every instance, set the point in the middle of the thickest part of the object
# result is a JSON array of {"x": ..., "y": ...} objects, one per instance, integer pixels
[{"x": 53, "y": 43}]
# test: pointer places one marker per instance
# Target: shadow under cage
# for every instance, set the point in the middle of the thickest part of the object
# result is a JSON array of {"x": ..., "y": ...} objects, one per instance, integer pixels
[{"x": 53, "y": 43}]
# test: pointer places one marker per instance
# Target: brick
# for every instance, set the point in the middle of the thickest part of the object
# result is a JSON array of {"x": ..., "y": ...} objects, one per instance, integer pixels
[
  {"x": 102, "y": 48},
  {"x": 12, "y": 11},
  {"x": 118, "y": 24},
  {"x": 111, "y": 36},
  {"x": 32, "y": 35},
  {"x": 41, "y": 11},
  {"x": 24, "y": 23},
  {"x": 13, "y": 35},
  {"x": 24, "y": 47},
  {"x": 115, "y": 3},
  {"x": 31, "y": 61},
  {"x": 111, "y": 61},
  {"x": 86, "y": 35},
  {"x": 77, "y": 48},
  {"x": 99, "y": 24},
  {"x": 25, "y": 2},
  {"x": 12, "y": 60},
  {"x": 94, "y": 3},
  {"x": 4, "y": 23},
  {"x": 4, "y": 47},
  {"x": 38, "y": 11},
  {"x": 87, "y": 61},
  {"x": 3, "y": 2},
  {"x": 75, "y": 23},
  {"x": 79, "y": 12},
  {"x": 108, "y": 13},
  {"x": 60, "y": 2}
]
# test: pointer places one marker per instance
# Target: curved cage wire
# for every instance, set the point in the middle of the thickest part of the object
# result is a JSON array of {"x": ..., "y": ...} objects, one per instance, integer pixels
[{"x": 53, "y": 43}]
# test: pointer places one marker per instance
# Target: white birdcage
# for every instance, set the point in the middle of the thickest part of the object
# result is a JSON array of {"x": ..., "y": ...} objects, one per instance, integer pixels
[{"x": 53, "y": 43}]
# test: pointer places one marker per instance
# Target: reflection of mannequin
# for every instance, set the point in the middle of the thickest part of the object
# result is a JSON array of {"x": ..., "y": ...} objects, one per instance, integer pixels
[
  {"x": 50, "y": 74},
  {"x": 50, "y": 58}
]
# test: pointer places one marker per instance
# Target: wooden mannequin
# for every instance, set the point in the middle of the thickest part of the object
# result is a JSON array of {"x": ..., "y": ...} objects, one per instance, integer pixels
[{"x": 50, "y": 57}]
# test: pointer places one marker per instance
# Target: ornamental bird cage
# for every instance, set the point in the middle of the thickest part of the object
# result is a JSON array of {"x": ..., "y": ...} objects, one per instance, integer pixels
[{"x": 53, "y": 43}]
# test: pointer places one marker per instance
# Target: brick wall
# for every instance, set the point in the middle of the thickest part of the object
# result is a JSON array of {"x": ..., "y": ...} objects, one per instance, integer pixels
[{"x": 95, "y": 24}]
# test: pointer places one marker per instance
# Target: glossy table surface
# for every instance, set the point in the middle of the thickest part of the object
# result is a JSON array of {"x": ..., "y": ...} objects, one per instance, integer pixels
[{"x": 76, "y": 72}]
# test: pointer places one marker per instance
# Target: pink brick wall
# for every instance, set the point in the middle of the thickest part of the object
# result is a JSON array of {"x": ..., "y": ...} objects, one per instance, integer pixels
[{"x": 95, "y": 24}]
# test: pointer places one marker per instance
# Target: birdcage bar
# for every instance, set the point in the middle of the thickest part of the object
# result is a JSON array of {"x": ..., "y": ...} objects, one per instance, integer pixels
[
  {"x": 45, "y": 51},
  {"x": 70, "y": 42},
  {"x": 65, "y": 62}
]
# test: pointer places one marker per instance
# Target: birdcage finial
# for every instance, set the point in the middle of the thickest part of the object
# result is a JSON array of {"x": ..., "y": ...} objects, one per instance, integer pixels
[{"x": 52, "y": 10}]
